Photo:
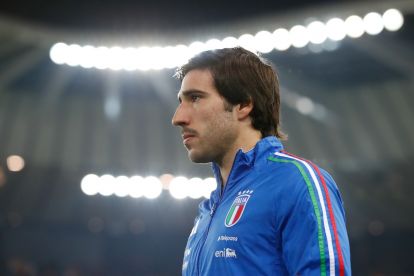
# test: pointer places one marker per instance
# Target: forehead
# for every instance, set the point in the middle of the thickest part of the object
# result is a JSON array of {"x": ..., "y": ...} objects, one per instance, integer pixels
[{"x": 198, "y": 80}]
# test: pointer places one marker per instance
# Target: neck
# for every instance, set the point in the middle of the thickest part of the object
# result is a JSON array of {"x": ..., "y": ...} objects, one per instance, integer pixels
[{"x": 245, "y": 143}]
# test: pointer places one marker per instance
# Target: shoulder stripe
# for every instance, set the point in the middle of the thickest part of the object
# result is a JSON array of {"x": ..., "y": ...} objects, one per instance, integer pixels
[
  {"x": 314, "y": 203},
  {"x": 324, "y": 214},
  {"x": 331, "y": 214}
]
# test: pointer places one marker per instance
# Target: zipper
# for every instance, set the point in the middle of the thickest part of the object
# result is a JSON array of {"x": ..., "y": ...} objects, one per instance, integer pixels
[{"x": 212, "y": 212}]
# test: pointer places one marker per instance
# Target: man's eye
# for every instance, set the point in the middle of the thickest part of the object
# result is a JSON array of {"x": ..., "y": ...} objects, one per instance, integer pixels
[{"x": 195, "y": 98}]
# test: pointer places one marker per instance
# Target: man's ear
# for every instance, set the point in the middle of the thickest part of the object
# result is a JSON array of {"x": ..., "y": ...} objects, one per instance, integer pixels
[{"x": 243, "y": 110}]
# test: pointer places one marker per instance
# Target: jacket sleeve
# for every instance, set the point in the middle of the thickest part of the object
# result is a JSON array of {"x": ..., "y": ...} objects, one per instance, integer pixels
[{"x": 313, "y": 234}]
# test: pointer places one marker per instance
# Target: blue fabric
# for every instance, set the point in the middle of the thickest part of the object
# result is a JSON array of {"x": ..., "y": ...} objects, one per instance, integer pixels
[{"x": 277, "y": 233}]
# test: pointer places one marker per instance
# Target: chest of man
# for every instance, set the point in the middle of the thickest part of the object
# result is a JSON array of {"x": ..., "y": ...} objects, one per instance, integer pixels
[{"x": 236, "y": 233}]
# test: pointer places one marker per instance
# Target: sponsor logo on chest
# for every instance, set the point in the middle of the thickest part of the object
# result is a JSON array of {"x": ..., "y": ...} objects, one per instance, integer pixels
[
  {"x": 237, "y": 208},
  {"x": 225, "y": 253}
]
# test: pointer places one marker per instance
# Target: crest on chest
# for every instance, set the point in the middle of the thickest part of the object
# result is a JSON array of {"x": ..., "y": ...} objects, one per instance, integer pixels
[{"x": 237, "y": 208}]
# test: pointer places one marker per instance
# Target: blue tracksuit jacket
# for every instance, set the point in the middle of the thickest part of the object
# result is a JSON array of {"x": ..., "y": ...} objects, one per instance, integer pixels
[{"x": 277, "y": 215}]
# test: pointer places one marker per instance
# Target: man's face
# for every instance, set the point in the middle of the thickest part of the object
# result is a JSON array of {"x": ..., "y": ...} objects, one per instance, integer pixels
[{"x": 208, "y": 130}]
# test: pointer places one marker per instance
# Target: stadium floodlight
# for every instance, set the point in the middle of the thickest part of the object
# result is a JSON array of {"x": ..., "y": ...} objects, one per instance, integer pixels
[
  {"x": 136, "y": 184},
  {"x": 89, "y": 184},
  {"x": 196, "y": 47},
  {"x": 282, "y": 39},
  {"x": 210, "y": 185},
  {"x": 57, "y": 53},
  {"x": 159, "y": 57},
  {"x": 264, "y": 42},
  {"x": 213, "y": 44},
  {"x": 354, "y": 26},
  {"x": 336, "y": 29},
  {"x": 392, "y": 20},
  {"x": 122, "y": 186},
  {"x": 195, "y": 187},
  {"x": 106, "y": 185},
  {"x": 373, "y": 23},
  {"x": 247, "y": 42},
  {"x": 178, "y": 187},
  {"x": 317, "y": 32},
  {"x": 229, "y": 42},
  {"x": 152, "y": 187},
  {"x": 298, "y": 36}
]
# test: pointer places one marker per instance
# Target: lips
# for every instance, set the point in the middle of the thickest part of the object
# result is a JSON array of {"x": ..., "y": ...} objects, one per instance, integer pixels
[{"x": 186, "y": 137}]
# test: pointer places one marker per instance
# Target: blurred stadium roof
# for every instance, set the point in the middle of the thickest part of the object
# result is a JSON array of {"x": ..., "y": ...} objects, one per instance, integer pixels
[{"x": 68, "y": 121}]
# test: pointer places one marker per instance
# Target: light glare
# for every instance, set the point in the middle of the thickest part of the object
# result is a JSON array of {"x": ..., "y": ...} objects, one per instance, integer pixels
[
  {"x": 152, "y": 187},
  {"x": 393, "y": 20},
  {"x": 317, "y": 32},
  {"x": 264, "y": 42},
  {"x": 336, "y": 29},
  {"x": 373, "y": 23},
  {"x": 178, "y": 187},
  {"x": 15, "y": 163},
  {"x": 282, "y": 39},
  {"x": 89, "y": 184},
  {"x": 354, "y": 26},
  {"x": 298, "y": 36}
]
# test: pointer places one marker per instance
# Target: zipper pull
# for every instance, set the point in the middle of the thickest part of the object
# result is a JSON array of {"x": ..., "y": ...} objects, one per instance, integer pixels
[{"x": 213, "y": 209}]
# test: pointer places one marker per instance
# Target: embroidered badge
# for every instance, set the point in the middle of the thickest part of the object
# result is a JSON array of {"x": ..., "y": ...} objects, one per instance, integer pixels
[{"x": 237, "y": 208}]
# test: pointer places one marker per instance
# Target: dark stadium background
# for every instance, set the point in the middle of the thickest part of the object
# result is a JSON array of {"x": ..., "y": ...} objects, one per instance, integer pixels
[{"x": 53, "y": 116}]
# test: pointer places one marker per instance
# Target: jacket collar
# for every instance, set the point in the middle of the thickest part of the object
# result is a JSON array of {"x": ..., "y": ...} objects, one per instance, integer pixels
[{"x": 244, "y": 161}]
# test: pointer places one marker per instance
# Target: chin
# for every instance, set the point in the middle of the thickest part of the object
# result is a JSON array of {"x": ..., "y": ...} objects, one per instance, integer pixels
[{"x": 198, "y": 158}]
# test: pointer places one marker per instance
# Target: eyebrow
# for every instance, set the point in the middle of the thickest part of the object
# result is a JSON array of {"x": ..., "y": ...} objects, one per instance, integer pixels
[{"x": 186, "y": 93}]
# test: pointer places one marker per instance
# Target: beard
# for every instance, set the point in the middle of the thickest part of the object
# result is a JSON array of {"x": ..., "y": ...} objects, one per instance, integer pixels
[{"x": 217, "y": 140}]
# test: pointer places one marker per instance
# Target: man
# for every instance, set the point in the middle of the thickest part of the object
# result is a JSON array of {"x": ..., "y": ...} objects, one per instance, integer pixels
[{"x": 272, "y": 213}]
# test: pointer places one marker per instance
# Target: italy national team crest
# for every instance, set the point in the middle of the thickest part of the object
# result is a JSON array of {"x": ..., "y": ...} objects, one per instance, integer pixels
[{"x": 237, "y": 208}]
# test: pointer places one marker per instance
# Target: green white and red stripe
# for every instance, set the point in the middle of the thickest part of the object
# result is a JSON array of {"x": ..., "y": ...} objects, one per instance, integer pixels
[{"x": 307, "y": 169}]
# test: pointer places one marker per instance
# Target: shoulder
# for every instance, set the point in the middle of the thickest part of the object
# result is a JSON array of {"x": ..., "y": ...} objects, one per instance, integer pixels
[{"x": 300, "y": 177}]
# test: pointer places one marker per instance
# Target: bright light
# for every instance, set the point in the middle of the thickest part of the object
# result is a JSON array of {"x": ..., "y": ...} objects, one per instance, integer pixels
[
  {"x": 247, "y": 42},
  {"x": 354, "y": 26},
  {"x": 336, "y": 29},
  {"x": 195, "y": 187},
  {"x": 58, "y": 52},
  {"x": 106, "y": 185},
  {"x": 179, "y": 55},
  {"x": 178, "y": 187},
  {"x": 136, "y": 188},
  {"x": 264, "y": 42},
  {"x": 87, "y": 58},
  {"x": 89, "y": 184},
  {"x": 122, "y": 186},
  {"x": 282, "y": 39},
  {"x": 393, "y": 20},
  {"x": 210, "y": 185},
  {"x": 115, "y": 60},
  {"x": 196, "y": 48},
  {"x": 15, "y": 163},
  {"x": 159, "y": 57},
  {"x": 152, "y": 187},
  {"x": 213, "y": 44},
  {"x": 317, "y": 32},
  {"x": 299, "y": 36},
  {"x": 373, "y": 23},
  {"x": 229, "y": 42},
  {"x": 305, "y": 105}
]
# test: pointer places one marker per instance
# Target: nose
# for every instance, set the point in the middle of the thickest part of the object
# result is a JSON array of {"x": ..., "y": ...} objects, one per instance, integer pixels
[{"x": 180, "y": 117}]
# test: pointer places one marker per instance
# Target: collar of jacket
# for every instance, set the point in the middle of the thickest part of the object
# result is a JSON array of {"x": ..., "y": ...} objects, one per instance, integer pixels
[{"x": 244, "y": 161}]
